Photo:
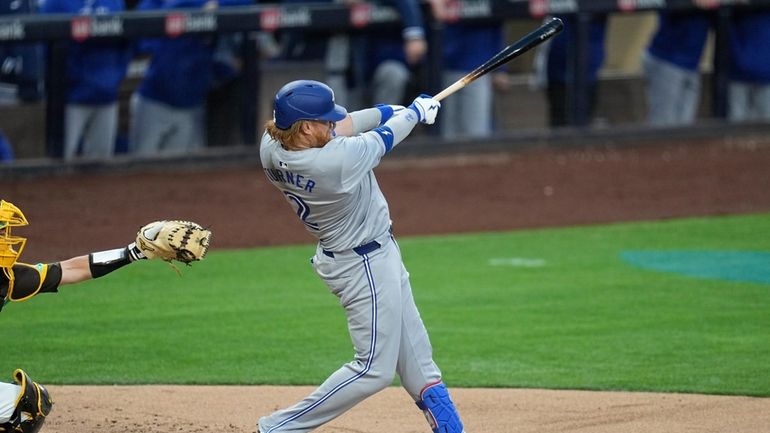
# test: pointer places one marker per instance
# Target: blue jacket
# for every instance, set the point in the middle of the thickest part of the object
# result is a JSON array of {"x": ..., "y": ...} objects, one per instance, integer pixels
[
  {"x": 749, "y": 47},
  {"x": 6, "y": 151},
  {"x": 561, "y": 45},
  {"x": 389, "y": 45},
  {"x": 467, "y": 46},
  {"x": 95, "y": 68},
  {"x": 181, "y": 69},
  {"x": 23, "y": 62},
  {"x": 680, "y": 38}
]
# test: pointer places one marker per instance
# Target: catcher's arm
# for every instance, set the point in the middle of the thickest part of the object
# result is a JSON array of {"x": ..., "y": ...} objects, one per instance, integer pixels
[
  {"x": 29, "y": 280},
  {"x": 23, "y": 281},
  {"x": 184, "y": 241}
]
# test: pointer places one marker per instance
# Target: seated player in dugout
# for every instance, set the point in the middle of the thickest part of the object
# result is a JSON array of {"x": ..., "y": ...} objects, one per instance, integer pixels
[{"x": 25, "y": 403}]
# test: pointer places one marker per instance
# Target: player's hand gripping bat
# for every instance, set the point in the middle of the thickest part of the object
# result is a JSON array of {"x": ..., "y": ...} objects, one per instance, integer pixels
[{"x": 537, "y": 37}]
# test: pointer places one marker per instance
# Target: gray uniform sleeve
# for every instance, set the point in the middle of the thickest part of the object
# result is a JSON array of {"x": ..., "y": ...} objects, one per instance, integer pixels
[
  {"x": 396, "y": 129},
  {"x": 365, "y": 120},
  {"x": 361, "y": 153}
]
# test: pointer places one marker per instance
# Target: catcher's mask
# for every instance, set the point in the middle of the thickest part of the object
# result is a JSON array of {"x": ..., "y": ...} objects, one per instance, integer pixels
[
  {"x": 305, "y": 100},
  {"x": 10, "y": 246}
]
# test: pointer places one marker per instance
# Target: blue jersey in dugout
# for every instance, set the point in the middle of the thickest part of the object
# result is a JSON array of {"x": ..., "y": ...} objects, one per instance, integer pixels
[
  {"x": 558, "y": 53},
  {"x": 95, "y": 68},
  {"x": 6, "y": 151},
  {"x": 22, "y": 62},
  {"x": 468, "y": 46},
  {"x": 749, "y": 47},
  {"x": 389, "y": 45},
  {"x": 680, "y": 38},
  {"x": 181, "y": 69}
]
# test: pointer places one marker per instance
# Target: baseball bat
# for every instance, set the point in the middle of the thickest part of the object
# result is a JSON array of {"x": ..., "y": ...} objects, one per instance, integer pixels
[{"x": 533, "y": 39}]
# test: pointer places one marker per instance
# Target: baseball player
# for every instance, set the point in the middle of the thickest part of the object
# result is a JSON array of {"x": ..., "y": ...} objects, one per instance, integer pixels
[
  {"x": 95, "y": 71},
  {"x": 671, "y": 67},
  {"x": 749, "y": 68},
  {"x": 168, "y": 109},
  {"x": 25, "y": 404},
  {"x": 322, "y": 158}
]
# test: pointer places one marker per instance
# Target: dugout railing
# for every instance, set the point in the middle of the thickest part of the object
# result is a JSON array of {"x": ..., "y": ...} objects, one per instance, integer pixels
[{"x": 322, "y": 19}]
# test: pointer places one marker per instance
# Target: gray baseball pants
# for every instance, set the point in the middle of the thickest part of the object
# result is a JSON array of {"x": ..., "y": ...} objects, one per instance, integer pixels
[{"x": 386, "y": 330}]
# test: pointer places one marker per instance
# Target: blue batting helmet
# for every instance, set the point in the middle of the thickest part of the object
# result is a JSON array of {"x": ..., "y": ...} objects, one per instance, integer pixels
[{"x": 305, "y": 100}]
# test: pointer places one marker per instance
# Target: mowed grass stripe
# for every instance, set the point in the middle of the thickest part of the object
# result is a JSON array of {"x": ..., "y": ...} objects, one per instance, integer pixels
[{"x": 551, "y": 308}]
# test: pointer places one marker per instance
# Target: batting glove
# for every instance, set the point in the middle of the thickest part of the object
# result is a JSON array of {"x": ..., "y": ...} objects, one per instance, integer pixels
[{"x": 426, "y": 108}]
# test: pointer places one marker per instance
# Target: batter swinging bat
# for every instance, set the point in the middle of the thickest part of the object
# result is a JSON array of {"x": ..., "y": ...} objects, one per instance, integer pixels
[{"x": 537, "y": 37}]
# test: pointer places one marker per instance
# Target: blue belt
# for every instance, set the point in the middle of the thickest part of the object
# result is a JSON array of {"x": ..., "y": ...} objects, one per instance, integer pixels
[{"x": 360, "y": 250}]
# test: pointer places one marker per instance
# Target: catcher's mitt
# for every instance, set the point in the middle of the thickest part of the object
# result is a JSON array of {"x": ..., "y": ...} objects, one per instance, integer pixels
[{"x": 184, "y": 241}]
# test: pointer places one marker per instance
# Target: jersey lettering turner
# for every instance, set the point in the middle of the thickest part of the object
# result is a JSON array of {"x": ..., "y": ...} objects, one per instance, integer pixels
[{"x": 286, "y": 176}]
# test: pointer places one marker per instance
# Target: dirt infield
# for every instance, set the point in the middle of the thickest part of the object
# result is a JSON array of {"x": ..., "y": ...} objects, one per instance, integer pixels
[
  {"x": 194, "y": 409},
  {"x": 535, "y": 188}
]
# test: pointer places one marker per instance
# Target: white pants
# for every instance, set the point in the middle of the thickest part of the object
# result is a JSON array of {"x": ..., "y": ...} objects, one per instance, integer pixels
[
  {"x": 673, "y": 93},
  {"x": 748, "y": 101},
  {"x": 387, "y": 333},
  {"x": 95, "y": 125},
  {"x": 8, "y": 394},
  {"x": 159, "y": 128},
  {"x": 469, "y": 112}
]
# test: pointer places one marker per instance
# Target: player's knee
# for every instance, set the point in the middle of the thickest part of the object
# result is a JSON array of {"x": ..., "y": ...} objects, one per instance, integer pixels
[
  {"x": 439, "y": 409},
  {"x": 380, "y": 381}
]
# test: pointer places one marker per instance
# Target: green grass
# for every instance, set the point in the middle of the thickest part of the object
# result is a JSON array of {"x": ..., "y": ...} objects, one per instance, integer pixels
[{"x": 583, "y": 320}]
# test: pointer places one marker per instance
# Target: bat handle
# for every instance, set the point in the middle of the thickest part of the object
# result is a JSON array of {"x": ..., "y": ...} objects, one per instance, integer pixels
[{"x": 457, "y": 85}]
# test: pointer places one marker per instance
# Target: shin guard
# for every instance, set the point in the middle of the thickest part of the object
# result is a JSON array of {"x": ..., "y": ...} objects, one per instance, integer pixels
[
  {"x": 439, "y": 409},
  {"x": 32, "y": 405}
]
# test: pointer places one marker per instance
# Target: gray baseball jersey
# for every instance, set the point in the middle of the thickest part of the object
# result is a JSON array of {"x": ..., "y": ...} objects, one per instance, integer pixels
[
  {"x": 335, "y": 194},
  {"x": 332, "y": 188}
]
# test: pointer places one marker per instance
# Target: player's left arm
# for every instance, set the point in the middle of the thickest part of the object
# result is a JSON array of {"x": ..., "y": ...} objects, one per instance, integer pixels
[
  {"x": 365, "y": 120},
  {"x": 29, "y": 280},
  {"x": 75, "y": 270},
  {"x": 363, "y": 151},
  {"x": 393, "y": 122}
]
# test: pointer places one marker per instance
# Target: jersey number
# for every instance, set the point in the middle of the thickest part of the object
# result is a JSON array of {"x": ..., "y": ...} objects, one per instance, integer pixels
[{"x": 303, "y": 209}]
